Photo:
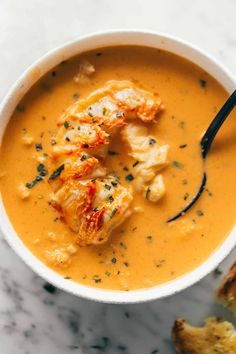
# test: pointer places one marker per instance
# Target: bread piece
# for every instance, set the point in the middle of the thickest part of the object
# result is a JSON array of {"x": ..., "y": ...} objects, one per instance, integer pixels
[
  {"x": 226, "y": 294},
  {"x": 216, "y": 337}
]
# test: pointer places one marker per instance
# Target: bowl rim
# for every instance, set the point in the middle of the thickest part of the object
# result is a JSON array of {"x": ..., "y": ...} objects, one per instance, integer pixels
[{"x": 8, "y": 104}]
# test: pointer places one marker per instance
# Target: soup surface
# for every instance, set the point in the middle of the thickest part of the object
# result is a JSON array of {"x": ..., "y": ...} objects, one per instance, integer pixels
[{"x": 144, "y": 250}]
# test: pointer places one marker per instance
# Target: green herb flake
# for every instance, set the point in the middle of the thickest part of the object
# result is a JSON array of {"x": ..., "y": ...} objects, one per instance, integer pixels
[
  {"x": 40, "y": 167},
  {"x": 111, "y": 199},
  {"x": 159, "y": 263},
  {"x": 113, "y": 213},
  {"x": 107, "y": 274},
  {"x": 126, "y": 264},
  {"x": 39, "y": 178},
  {"x": 20, "y": 108},
  {"x": 57, "y": 172},
  {"x": 177, "y": 164},
  {"x": 149, "y": 238},
  {"x": 182, "y": 146},
  {"x": 45, "y": 87},
  {"x": 114, "y": 183},
  {"x": 83, "y": 157},
  {"x": 97, "y": 279},
  {"x": 34, "y": 182},
  {"x": 107, "y": 186},
  {"x": 186, "y": 196},
  {"x": 114, "y": 260},
  {"x": 129, "y": 178},
  {"x": 147, "y": 192},
  {"x": 152, "y": 141},
  {"x": 66, "y": 124},
  {"x": 199, "y": 212},
  {"x": 119, "y": 114},
  {"x": 135, "y": 163},
  {"x": 112, "y": 153},
  {"x": 182, "y": 124},
  {"x": 38, "y": 147},
  {"x": 202, "y": 83}
]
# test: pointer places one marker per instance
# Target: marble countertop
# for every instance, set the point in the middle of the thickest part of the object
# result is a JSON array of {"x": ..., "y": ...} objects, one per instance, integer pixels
[{"x": 35, "y": 318}]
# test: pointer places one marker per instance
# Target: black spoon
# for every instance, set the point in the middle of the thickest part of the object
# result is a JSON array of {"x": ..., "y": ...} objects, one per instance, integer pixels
[{"x": 205, "y": 145}]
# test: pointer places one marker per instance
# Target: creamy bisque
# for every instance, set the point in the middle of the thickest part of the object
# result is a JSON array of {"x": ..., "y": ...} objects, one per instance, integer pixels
[{"x": 145, "y": 250}]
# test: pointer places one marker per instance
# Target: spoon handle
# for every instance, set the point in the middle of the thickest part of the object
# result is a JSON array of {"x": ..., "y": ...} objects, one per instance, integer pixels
[{"x": 215, "y": 125}]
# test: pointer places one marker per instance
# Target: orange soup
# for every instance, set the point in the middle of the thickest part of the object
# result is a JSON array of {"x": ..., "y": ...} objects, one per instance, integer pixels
[{"x": 143, "y": 250}]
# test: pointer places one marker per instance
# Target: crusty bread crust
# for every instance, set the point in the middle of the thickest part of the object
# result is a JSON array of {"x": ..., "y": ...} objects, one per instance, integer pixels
[
  {"x": 226, "y": 294},
  {"x": 215, "y": 337}
]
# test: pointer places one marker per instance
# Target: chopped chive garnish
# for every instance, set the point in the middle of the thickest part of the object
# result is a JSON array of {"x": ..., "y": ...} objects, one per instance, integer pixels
[
  {"x": 119, "y": 114},
  {"x": 199, "y": 212},
  {"x": 112, "y": 153},
  {"x": 147, "y": 192},
  {"x": 129, "y": 178},
  {"x": 57, "y": 172},
  {"x": 114, "y": 260},
  {"x": 39, "y": 178},
  {"x": 183, "y": 146},
  {"x": 135, "y": 163},
  {"x": 114, "y": 183},
  {"x": 202, "y": 83},
  {"x": 66, "y": 124},
  {"x": 113, "y": 212},
  {"x": 97, "y": 279},
  {"x": 177, "y": 164},
  {"x": 40, "y": 167},
  {"x": 186, "y": 196},
  {"x": 83, "y": 157},
  {"x": 110, "y": 198},
  {"x": 107, "y": 186},
  {"x": 38, "y": 147},
  {"x": 152, "y": 141},
  {"x": 20, "y": 108}
]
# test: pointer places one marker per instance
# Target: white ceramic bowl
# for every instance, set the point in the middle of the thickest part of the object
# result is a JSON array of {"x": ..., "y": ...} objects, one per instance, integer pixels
[{"x": 24, "y": 83}]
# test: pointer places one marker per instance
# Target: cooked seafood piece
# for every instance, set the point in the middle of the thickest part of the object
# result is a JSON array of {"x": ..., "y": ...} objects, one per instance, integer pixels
[
  {"x": 91, "y": 203},
  {"x": 89, "y": 123},
  {"x": 150, "y": 157},
  {"x": 93, "y": 208},
  {"x": 79, "y": 165}
]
